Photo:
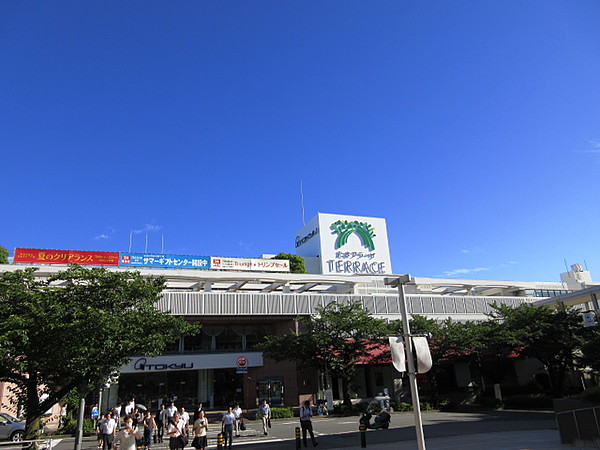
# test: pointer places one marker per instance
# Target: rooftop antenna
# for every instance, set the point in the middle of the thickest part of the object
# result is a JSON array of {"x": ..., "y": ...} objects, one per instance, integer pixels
[
  {"x": 585, "y": 264},
  {"x": 130, "y": 240},
  {"x": 146, "y": 247},
  {"x": 566, "y": 267},
  {"x": 162, "y": 244},
  {"x": 302, "y": 203}
]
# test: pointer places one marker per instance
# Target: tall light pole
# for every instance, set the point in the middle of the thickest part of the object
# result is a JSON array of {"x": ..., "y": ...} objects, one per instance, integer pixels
[{"x": 399, "y": 282}]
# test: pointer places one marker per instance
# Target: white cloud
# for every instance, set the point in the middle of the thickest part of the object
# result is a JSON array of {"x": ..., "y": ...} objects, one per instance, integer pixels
[
  {"x": 246, "y": 245},
  {"x": 464, "y": 271},
  {"x": 101, "y": 236},
  {"x": 146, "y": 228}
]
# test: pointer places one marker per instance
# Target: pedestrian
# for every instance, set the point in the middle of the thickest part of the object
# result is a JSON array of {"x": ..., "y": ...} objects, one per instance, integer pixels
[
  {"x": 99, "y": 429},
  {"x": 177, "y": 433},
  {"x": 127, "y": 437},
  {"x": 149, "y": 428},
  {"x": 237, "y": 412},
  {"x": 95, "y": 413},
  {"x": 117, "y": 413},
  {"x": 200, "y": 429},
  {"x": 63, "y": 416},
  {"x": 306, "y": 423},
  {"x": 136, "y": 415},
  {"x": 197, "y": 411},
  {"x": 108, "y": 429},
  {"x": 171, "y": 410},
  {"x": 265, "y": 413},
  {"x": 162, "y": 421},
  {"x": 130, "y": 406},
  {"x": 185, "y": 416},
  {"x": 227, "y": 427}
]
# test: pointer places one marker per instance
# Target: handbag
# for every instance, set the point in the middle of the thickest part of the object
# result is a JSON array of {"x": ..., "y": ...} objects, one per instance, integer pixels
[
  {"x": 242, "y": 425},
  {"x": 184, "y": 440},
  {"x": 269, "y": 422}
]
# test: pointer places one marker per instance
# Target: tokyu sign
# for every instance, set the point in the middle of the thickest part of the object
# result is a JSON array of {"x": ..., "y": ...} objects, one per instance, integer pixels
[{"x": 346, "y": 244}]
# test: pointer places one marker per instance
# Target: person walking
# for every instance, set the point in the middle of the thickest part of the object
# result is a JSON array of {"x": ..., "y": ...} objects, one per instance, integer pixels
[
  {"x": 177, "y": 433},
  {"x": 306, "y": 423},
  {"x": 162, "y": 421},
  {"x": 227, "y": 427},
  {"x": 237, "y": 412},
  {"x": 108, "y": 429},
  {"x": 99, "y": 429},
  {"x": 171, "y": 410},
  {"x": 264, "y": 410},
  {"x": 197, "y": 410},
  {"x": 200, "y": 429},
  {"x": 127, "y": 437},
  {"x": 185, "y": 416},
  {"x": 149, "y": 428}
]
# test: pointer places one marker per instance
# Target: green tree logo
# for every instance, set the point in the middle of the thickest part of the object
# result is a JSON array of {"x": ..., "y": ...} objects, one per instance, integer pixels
[{"x": 344, "y": 229}]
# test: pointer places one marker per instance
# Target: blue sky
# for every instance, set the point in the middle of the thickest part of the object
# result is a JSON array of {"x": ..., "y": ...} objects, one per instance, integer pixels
[{"x": 472, "y": 127}]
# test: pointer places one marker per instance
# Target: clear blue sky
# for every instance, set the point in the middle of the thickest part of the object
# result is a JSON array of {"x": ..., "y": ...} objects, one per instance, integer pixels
[{"x": 472, "y": 127}]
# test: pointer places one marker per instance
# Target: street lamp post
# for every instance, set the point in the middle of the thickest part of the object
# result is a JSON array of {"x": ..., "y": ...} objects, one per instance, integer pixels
[{"x": 399, "y": 282}]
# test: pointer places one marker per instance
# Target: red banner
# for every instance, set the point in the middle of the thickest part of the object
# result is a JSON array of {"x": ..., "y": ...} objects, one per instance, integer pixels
[{"x": 35, "y": 255}]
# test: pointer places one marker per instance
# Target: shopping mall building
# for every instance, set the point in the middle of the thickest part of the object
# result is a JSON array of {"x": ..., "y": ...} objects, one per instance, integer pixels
[{"x": 239, "y": 301}]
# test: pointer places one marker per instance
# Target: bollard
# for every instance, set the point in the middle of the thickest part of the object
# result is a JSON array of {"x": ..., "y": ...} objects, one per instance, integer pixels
[
  {"x": 297, "y": 438},
  {"x": 220, "y": 441},
  {"x": 363, "y": 435}
]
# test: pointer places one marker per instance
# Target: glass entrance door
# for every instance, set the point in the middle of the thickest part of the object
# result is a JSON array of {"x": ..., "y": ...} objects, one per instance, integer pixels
[{"x": 270, "y": 389}]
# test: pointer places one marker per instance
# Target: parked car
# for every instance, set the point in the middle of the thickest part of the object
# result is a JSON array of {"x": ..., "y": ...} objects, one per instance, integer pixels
[{"x": 11, "y": 428}]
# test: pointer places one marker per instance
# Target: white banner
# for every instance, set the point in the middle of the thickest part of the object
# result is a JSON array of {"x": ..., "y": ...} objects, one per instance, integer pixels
[
  {"x": 398, "y": 353},
  {"x": 250, "y": 264},
  {"x": 423, "y": 355}
]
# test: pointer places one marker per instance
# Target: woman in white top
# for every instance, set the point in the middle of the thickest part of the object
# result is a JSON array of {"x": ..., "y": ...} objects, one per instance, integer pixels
[
  {"x": 200, "y": 429},
  {"x": 127, "y": 436},
  {"x": 177, "y": 431},
  {"x": 237, "y": 412}
]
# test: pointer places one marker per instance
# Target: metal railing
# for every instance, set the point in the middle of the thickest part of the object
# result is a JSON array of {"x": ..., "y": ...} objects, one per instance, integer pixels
[
  {"x": 578, "y": 424},
  {"x": 232, "y": 304}
]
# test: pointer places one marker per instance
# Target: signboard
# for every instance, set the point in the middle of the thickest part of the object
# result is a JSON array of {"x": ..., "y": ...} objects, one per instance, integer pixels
[
  {"x": 589, "y": 319},
  {"x": 35, "y": 255},
  {"x": 250, "y": 264},
  {"x": 346, "y": 245},
  {"x": 157, "y": 260},
  {"x": 169, "y": 363}
]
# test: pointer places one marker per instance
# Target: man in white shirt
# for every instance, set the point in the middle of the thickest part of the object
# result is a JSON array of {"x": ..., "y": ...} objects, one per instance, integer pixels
[
  {"x": 171, "y": 411},
  {"x": 185, "y": 416},
  {"x": 108, "y": 429},
  {"x": 227, "y": 428}
]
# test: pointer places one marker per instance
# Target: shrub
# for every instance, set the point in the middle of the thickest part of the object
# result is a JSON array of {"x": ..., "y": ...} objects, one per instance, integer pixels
[
  {"x": 277, "y": 413},
  {"x": 71, "y": 427},
  {"x": 528, "y": 401},
  {"x": 404, "y": 406},
  {"x": 591, "y": 394}
]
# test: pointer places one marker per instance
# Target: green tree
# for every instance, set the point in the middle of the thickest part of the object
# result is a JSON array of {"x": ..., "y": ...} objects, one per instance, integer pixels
[
  {"x": 449, "y": 341},
  {"x": 553, "y": 336},
  {"x": 72, "y": 330},
  {"x": 296, "y": 262},
  {"x": 334, "y": 339},
  {"x": 3, "y": 255}
]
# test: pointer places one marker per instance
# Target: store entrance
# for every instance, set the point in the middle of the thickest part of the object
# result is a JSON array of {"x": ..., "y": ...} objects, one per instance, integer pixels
[
  {"x": 228, "y": 388},
  {"x": 270, "y": 389}
]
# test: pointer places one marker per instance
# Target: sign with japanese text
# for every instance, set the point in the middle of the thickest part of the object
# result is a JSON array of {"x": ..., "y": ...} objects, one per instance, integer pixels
[
  {"x": 35, "y": 255},
  {"x": 250, "y": 264},
  {"x": 345, "y": 245},
  {"x": 157, "y": 260}
]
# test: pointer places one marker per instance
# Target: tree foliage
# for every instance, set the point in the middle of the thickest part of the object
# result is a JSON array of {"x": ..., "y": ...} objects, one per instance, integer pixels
[
  {"x": 72, "y": 330},
  {"x": 335, "y": 340},
  {"x": 296, "y": 262},
  {"x": 3, "y": 255}
]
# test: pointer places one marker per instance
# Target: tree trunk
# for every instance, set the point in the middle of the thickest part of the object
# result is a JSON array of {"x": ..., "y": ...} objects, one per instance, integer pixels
[
  {"x": 34, "y": 414},
  {"x": 346, "y": 392}
]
